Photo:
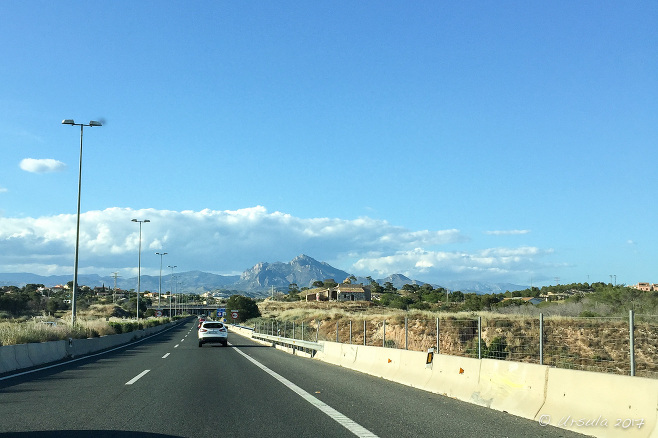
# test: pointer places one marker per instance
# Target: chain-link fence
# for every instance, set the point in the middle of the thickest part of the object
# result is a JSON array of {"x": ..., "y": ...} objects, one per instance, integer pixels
[{"x": 599, "y": 344}]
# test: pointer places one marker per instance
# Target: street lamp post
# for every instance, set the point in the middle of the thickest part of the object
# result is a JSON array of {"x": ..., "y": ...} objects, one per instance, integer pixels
[
  {"x": 171, "y": 315},
  {"x": 77, "y": 229},
  {"x": 139, "y": 262},
  {"x": 160, "y": 286}
]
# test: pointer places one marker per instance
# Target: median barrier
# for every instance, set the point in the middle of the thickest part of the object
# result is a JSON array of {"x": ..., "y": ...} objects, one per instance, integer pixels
[
  {"x": 22, "y": 355},
  {"x": 8, "y": 359},
  {"x": 19, "y": 356},
  {"x": 45, "y": 352},
  {"x": 604, "y": 405}
]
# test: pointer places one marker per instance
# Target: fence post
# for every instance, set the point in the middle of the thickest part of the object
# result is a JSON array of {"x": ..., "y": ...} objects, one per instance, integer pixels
[
  {"x": 317, "y": 331},
  {"x": 336, "y": 331},
  {"x": 364, "y": 332},
  {"x": 406, "y": 333},
  {"x": 437, "y": 335},
  {"x": 479, "y": 337},
  {"x": 302, "y": 330},
  {"x": 631, "y": 332},
  {"x": 293, "y": 329},
  {"x": 350, "y": 331},
  {"x": 541, "y": 338},
  {"x": 384, "y": 335}
]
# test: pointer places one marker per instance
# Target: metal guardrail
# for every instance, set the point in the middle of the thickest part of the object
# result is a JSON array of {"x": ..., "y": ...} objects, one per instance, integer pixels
[{"x": 289, "y": 341}]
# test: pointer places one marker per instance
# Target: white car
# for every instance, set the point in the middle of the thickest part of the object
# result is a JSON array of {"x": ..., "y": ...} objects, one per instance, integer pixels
[{"x": 212, "y": 332}]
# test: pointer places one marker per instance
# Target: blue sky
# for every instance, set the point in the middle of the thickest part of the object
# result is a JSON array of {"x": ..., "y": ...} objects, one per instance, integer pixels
[{"x": 491, "y": 141}]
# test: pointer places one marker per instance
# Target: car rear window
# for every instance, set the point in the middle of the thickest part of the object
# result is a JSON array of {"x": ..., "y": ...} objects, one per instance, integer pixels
[{"x": 213, "y": 325}]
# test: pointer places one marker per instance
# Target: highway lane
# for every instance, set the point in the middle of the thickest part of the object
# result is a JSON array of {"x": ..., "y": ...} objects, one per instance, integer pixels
[{"x": 168, "y": 386}]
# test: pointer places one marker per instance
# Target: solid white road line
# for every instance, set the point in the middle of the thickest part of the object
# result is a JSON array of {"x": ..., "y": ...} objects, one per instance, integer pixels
[
  {"x": 137, "y": 377},
  {"x": 341, "y": 419}
]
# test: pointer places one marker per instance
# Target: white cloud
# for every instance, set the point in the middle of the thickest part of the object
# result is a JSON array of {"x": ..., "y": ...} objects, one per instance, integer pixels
[
  {"x": 42, "y": 165},
  {"x": 506, "y": 232},
  {"x": 3, "y": 190},
  {"x": 487, "y": 264},
  {"x": 232, "y": 241}
]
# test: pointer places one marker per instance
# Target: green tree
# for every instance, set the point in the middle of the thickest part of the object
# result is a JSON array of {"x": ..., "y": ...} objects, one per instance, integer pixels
[
  {"x": 246, "y": 307},
  {"x": 293, "y": 292},
  {"x": 330, "y": 282},
  {"x": 375, "y": 287},
  {"x": 413, "y": 288},
  {"x": 456, "y": 296},
  {"x": 13, "y": 303},
  {"x": 54, "y": 304}
]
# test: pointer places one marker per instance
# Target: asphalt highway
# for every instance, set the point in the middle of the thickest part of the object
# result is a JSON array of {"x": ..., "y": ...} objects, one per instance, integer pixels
[{"x": 166, "y": 386}]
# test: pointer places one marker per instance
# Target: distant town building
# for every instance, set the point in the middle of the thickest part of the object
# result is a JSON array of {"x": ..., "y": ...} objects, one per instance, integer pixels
[
  {"x": 646, "y": 287},
  {"x": 341, "y": 292}
]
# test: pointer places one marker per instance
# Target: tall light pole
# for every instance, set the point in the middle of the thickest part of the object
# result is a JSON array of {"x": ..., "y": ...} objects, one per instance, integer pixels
[
  {"x": 139, "y": 262},
  {"x": 171, "y": 315},
  {"x": 77, "y": 229},
  {"x": 160, "y": 286}
]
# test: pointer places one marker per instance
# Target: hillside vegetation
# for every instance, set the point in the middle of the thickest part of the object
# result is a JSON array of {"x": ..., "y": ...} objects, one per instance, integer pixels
[{"x": 588, "y": 330}]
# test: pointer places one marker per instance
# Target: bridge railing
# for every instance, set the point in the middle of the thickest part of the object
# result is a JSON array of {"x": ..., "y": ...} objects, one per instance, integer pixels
[{"x": 303, "y": 344}]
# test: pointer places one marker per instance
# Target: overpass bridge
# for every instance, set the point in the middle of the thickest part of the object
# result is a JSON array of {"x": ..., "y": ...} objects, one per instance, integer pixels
[{"x": 187, "y": 309}]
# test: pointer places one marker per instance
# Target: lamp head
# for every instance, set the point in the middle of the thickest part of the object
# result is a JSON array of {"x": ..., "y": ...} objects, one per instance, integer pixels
[
  {"x": 68, "y": 122},
  {"x": 95, "y": 123}
]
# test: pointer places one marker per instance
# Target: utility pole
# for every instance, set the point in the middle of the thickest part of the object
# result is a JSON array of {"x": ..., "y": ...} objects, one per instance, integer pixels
[{"x": 114, "y": 291}]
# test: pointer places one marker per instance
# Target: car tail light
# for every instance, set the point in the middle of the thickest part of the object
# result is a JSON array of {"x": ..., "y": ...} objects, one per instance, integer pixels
[{"x": 203, "y": 330}]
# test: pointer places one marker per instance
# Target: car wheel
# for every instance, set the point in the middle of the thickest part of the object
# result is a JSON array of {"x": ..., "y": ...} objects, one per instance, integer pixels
[{"x": 200, "y": 344}]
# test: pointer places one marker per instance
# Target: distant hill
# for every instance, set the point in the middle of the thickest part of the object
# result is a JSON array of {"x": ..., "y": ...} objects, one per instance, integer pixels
[
  {"x": 256, "y": 281},
  {"x": 302, "y": 270}
]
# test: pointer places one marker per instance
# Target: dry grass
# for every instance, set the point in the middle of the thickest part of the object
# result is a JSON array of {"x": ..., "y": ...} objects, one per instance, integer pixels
[
  {"x": 596, "y": 344},
  {"x": 89, "y": 324}
]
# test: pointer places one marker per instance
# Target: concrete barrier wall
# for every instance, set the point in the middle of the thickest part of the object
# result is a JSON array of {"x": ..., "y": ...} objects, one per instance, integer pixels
[
  {"x": 454, "y": 376},
  {"x": 16, "y": 357},
  {"x": 513, "y": 387},
  {"x": 602, "y": 405}
]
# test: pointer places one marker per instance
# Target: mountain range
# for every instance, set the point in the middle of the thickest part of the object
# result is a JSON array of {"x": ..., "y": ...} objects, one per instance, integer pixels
[{"x": 257, "y": 281}]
